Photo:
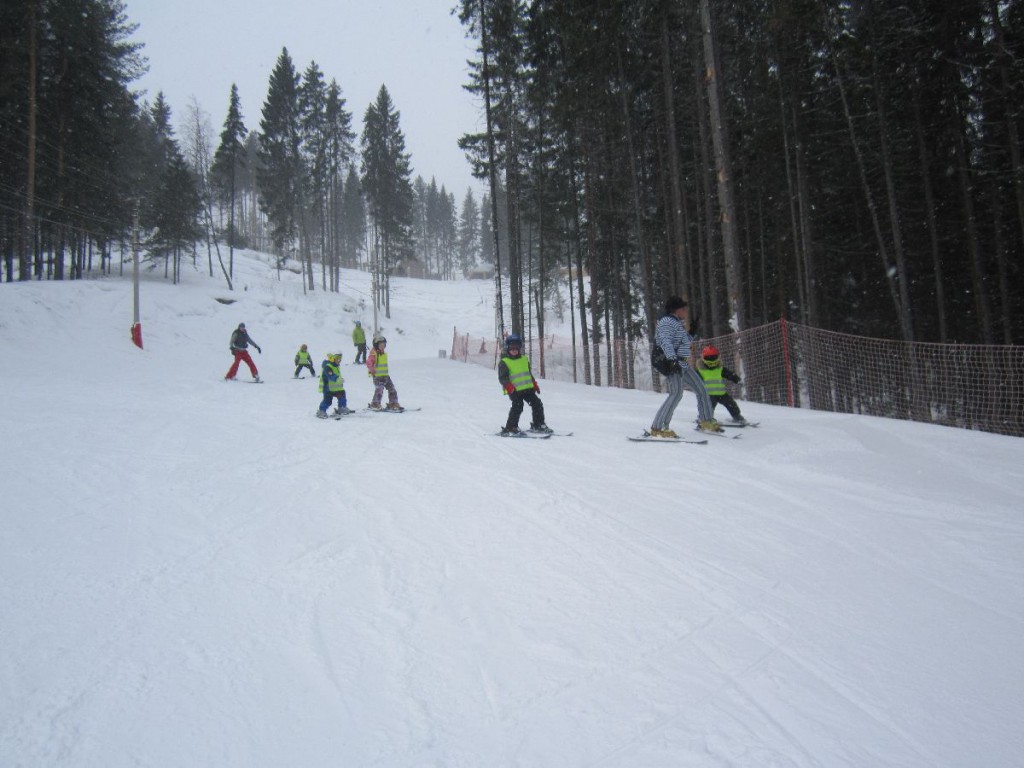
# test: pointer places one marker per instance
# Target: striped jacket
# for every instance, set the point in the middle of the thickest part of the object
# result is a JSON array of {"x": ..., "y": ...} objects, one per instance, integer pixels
[{"x": 671, "y": 335}]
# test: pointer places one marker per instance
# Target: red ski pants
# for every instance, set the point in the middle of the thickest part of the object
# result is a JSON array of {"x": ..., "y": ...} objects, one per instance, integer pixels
[{"x": 242, "y": 355}]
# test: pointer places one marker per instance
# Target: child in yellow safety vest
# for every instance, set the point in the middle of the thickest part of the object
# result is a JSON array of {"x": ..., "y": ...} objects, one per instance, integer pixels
[
  {"x": 517, "y": 380},
  {"x": 332, "y": 385},
  {"x": 715, "y": 374},
  {"x": 377, "y": 367},
  {"x": 303, "y": 360}
]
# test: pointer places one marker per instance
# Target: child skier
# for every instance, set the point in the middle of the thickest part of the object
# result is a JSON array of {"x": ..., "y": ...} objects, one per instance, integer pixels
[
  {"x": 714, "y": 374},
  {"x": 303, "y": 360},
  {"x": 240, "y": 340},
  {"x": 517, "y": 380},
  {"x": 332, "y": 385},
  {"x": 377, "y": 367}
]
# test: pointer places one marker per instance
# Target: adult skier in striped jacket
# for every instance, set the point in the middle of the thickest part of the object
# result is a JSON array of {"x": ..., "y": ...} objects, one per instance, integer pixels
[{"x": 674, "y": 335}]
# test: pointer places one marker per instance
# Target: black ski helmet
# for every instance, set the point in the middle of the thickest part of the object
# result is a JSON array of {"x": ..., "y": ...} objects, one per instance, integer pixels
[{"x": 513, "y": 340}]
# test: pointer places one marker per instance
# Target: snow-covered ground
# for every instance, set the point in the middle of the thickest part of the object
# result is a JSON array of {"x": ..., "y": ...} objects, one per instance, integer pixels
[{"x": 200, "y": 573}]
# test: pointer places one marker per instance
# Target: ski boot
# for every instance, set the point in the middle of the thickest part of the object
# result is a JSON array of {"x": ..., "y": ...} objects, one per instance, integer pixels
[
  {"x": 394, "y": 407},
  {"x": 541, "y": 429},
  {"x": 709, "y": 425},
  {"x": 321, "y": 414},
  {"x": 506, "y": 431},
  {"x": 374, "y": 407}
]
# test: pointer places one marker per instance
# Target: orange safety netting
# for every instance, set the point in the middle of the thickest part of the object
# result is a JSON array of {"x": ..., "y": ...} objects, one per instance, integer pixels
[{"x": 962, "y": 385}]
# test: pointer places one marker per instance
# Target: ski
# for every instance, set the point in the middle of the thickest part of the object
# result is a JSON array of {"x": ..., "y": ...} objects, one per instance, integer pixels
[
  {"x": 392, "y": 410},
  {"x": 740, "y": 426},
  {"x": 246, "y": 381},
  {"x": 717, "y": 434},
  {"x": 341, "y": 414},
  {"x": 550, "y": 434},
  {"x": 526, "y": 435},
  {"x": 647, "y": 437}
]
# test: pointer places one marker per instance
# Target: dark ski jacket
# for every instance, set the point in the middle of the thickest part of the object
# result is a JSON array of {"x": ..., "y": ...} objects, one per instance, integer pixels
[{"x": 240, "y": 339}]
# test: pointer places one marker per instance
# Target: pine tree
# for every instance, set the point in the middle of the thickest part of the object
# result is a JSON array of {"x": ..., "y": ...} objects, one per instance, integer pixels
[
  {"x": 338, "y": 152},
  {"x": 386, "y": 183},
  {"x": 174, "y": 202},
  {"x": 486, "y": 232},
  {"x": 228, "y": 160},
  {"x": 280, "y": 175},
  {"x": 469, "y": 232},
  {"x": 353, "y": 217},
  {"x": 313, "y": 218}
]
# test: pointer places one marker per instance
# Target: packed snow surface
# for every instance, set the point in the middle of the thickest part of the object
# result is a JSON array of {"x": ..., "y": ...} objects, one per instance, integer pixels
[{"x": 201, "y": 573}]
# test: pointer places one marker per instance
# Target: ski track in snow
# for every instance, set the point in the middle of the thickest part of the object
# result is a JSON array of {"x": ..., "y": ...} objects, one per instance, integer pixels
[{"x": 199, "y": 573}]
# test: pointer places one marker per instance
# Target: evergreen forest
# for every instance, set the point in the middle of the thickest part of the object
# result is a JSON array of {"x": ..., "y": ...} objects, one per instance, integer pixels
[{"x": 851, "y": 165}]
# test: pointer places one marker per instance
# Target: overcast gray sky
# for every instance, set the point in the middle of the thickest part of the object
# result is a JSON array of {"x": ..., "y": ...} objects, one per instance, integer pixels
[{"x": 415, "y": 47}]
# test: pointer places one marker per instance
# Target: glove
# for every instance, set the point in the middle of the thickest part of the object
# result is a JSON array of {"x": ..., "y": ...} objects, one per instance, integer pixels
[
  {"x": 675, "y": 367},
  {"x": 509, "y": 389},
  {"x": 536, "y": 386},
  {"x": 258, "y": 349}
]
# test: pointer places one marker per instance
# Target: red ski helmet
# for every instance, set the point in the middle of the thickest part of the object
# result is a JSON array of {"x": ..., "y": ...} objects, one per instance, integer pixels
[{"x": 710, "y": 357}]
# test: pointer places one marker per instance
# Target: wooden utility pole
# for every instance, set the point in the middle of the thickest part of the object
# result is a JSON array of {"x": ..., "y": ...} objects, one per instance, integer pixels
[{"x": 136, "y": 322}]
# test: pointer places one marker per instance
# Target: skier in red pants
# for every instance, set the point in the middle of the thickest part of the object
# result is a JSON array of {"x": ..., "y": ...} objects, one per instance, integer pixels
[{"x": 240, "y": 342}]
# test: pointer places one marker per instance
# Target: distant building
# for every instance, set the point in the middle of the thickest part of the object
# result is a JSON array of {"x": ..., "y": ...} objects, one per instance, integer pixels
[
  {"x": 480, "y": 272},
  {"x": 566, "y": 273}
]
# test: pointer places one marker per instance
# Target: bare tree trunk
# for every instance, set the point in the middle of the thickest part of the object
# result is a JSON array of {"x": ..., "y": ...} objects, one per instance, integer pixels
[
  {"x": 930, "y": 215},
  {"x": 883, "y": 251},
  {"x": 727, "y": 206},
  {"x": 492, "y": 178},
  {"x": 645, "y": 265},
  {"x": 674, "y": 166},
  {"x": 1012, "y": 134},
  {"x": 581, "y": 303},
  {"x": 572, "y": 308},
  {"x": 999, "y": 247},
  {"x": 801, "y": 283},
  {"x": 903, "y": 279},
  {"x": 973, "y": 245},
  {"x": 25, "y": 255},
  {"x": 810, "y": 272},
  {"x": 593, "y": 261},
  {"x": 708, "y": 299}
]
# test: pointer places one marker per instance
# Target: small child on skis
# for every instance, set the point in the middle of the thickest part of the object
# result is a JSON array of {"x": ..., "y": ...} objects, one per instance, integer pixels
[
  {"x": 332, "y": 385},
  {"x": 377, "y": 367},
  {"x": 303, "y": 360},
  {"x": 517, "y": 380},
  {"x": 714, "y": 374}
]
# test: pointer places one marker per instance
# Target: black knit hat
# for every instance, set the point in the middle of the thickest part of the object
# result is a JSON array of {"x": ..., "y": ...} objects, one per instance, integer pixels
[{"x": 674, "y": 303}]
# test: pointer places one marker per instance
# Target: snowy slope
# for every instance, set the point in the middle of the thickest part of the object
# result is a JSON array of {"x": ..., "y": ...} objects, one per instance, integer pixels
[{"x": 200, "y": 573}]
